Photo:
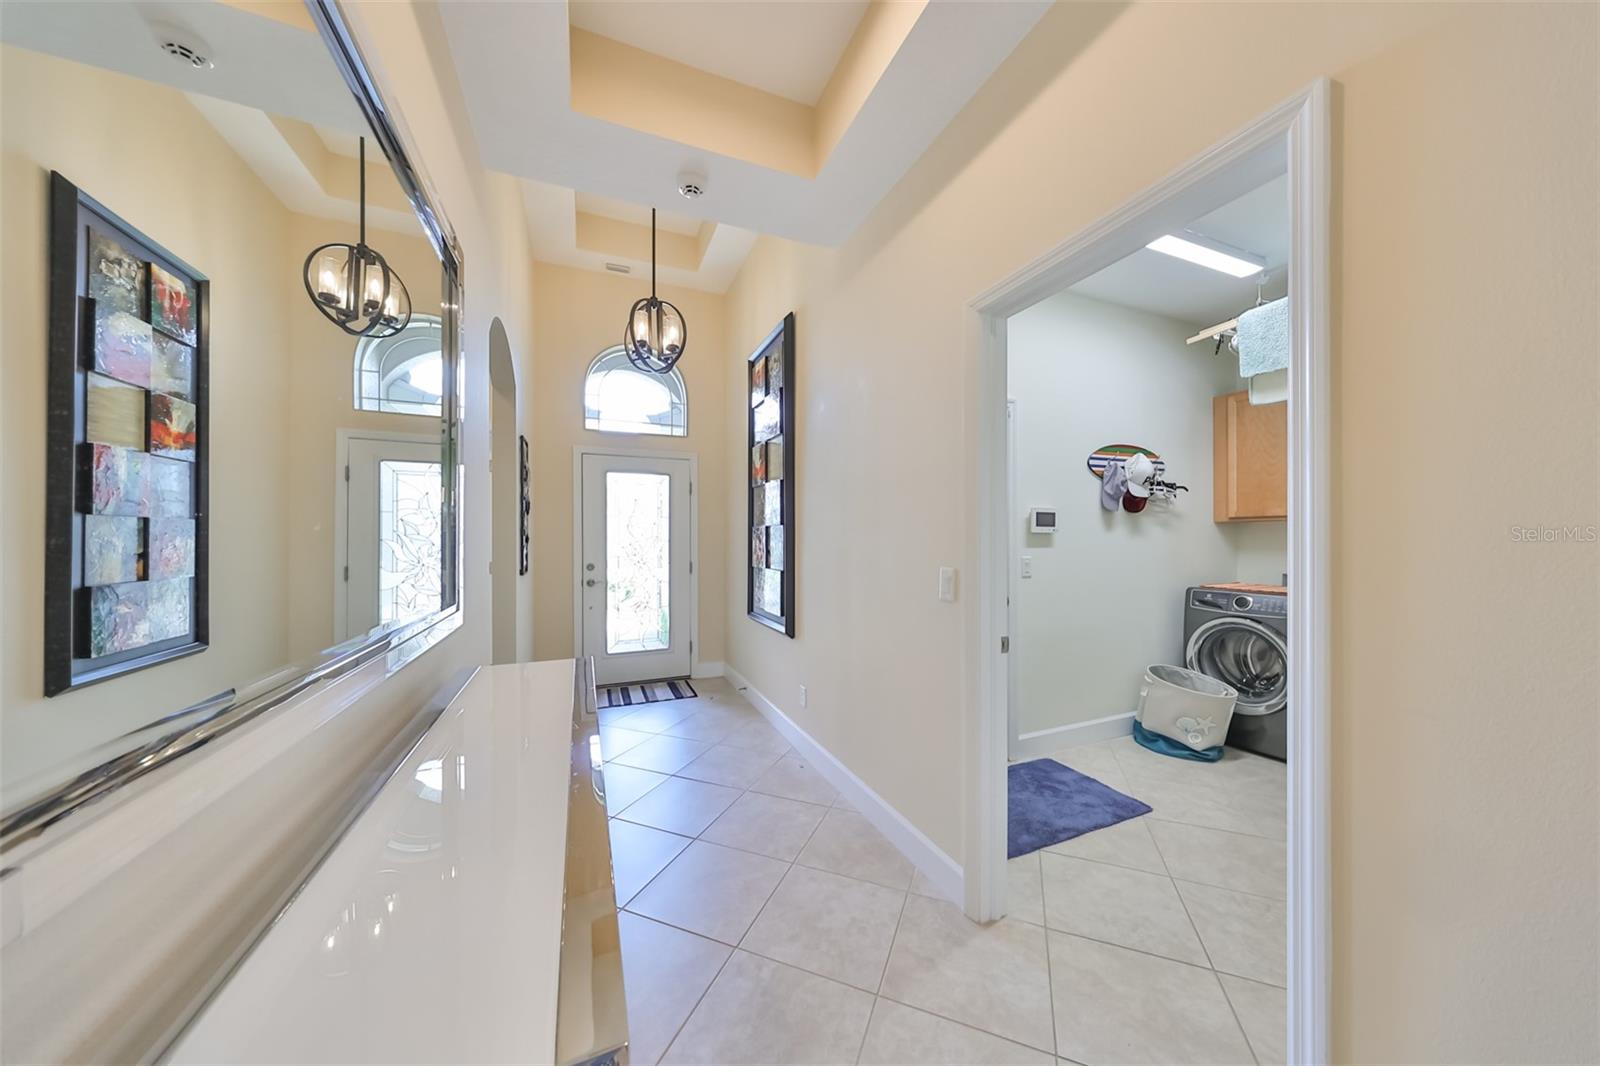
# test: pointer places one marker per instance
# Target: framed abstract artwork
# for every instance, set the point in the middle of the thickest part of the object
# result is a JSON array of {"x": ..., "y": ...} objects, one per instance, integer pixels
[
  {"x": 126, "y": 542},
  {"x": 770, "y": 589},
  {"x": 524, "y": 505}
]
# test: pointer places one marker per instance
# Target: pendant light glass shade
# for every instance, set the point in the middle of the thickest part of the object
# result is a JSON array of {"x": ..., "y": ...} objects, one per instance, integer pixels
[
  {"x": 656, "y": 334},
  {"x": 353, "y": 286}
]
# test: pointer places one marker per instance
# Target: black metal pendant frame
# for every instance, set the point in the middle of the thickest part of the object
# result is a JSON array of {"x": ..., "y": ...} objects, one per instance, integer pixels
[
  {"x": 357, "y": 315},
  {"x": 640, "y": 351}
]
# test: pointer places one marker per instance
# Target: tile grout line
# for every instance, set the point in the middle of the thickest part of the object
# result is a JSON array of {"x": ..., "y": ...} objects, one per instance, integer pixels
[
  {"x": 1049, "y": 966},
  {"x": 1239, "y": 1022}
]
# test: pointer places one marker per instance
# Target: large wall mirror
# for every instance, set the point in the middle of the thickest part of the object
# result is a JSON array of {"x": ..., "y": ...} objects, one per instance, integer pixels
[{"x": 228, "y": 496}]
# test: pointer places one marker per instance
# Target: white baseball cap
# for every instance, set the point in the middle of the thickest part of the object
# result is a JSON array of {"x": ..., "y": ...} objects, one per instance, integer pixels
[{"x": 1140, "y": 470}]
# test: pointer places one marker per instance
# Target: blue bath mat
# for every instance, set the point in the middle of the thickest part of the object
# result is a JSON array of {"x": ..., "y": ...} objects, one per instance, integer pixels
[{"x": 1050, "y": 803}]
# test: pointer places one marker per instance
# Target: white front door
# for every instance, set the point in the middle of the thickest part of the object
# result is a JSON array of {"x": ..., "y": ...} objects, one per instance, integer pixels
[
  {"x": 634, "y": 573},
  {"x": 392, "y": 550}
]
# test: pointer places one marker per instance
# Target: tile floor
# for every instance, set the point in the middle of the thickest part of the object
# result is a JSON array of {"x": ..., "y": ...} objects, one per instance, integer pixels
[{"x": 765, "y": 921}]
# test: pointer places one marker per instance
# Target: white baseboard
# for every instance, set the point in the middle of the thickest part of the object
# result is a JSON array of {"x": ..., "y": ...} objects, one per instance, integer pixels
[
  {"x": 1042, "y": 742},
  {"x": 707, "y": 670},
  {"x": 943, "y": 873}
]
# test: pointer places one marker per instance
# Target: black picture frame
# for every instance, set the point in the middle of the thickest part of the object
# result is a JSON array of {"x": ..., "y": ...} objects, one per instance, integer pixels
[
  {"x": 525, "y": 506},
  {"x": 768, "y": 395},
  {"x": 67, "y": 666}
]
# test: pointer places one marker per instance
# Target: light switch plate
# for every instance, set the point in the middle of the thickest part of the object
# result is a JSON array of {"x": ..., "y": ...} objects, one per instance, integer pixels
[
  {"x": 947, "y": 584},
  {"x": 802, "y": 695},
  {"x": 1027, "y": 565}
]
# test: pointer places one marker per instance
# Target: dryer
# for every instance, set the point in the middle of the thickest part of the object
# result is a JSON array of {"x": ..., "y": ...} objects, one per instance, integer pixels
[{"x": 1240, "y": 638}]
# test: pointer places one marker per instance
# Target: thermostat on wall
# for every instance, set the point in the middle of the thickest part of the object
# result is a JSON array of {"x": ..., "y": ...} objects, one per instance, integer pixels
[{"x": 1041, "y": 520}]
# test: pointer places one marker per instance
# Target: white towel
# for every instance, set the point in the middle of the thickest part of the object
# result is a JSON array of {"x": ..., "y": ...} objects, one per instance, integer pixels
[
  {"x": 1271, "y": 387},
  {"x": 1263, "y": 338}
]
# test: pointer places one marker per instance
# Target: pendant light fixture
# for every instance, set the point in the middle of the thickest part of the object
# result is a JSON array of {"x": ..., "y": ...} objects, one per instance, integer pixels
[
  {"x": 353, "y": 286},
  {"x": 655, "y": 335}
]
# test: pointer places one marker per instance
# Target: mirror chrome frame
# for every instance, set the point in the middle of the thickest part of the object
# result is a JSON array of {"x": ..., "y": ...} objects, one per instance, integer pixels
[{"x": 175, "y": 734}]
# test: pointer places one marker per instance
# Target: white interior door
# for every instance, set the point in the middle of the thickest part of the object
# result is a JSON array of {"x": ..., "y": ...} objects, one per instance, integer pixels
[
  {"x": 393, "y": 549},
  {"x": 634, "y": 574}
]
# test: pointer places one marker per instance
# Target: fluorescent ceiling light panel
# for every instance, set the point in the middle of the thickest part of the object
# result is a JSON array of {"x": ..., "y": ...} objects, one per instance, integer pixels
[{"x": 1206, "y": 256}]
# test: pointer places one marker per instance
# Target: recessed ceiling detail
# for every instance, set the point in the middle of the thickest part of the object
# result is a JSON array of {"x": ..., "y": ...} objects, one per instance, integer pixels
[
  {"x": 799, "y": 130},
  {"x": 788, "y": 48}
]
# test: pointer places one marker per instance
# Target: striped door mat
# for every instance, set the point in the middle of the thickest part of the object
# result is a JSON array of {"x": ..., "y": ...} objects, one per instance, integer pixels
[{"x": 650, "y": 692}]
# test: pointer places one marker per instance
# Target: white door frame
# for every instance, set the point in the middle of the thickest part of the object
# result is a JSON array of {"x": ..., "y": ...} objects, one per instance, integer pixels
[
  {"x": 1015, "y": 546},
  {"x": 1298, "y": 129},
  {"x": 578, "y": 452},
  {"x": 341, "y": 506}
]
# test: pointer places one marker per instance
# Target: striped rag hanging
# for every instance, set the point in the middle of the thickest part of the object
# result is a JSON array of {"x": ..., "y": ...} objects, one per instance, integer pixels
[{"x": 650, "y": 692}]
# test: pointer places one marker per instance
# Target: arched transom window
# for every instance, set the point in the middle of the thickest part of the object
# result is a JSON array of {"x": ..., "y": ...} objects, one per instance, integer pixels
[
  {"x": 403, "y": 374},
  {"x": 618, "y": 397}
]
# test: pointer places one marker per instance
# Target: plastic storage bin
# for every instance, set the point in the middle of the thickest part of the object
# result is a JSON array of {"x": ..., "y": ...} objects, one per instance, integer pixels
[{"x": 1185, "y": 706}]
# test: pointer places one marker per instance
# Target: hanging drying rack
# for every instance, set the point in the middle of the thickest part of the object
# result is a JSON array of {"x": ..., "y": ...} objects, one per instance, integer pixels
[{"x": 1227, "y": 331}]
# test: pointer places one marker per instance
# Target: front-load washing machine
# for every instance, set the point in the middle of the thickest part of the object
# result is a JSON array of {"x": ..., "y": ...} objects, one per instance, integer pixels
[{"x": 1240, "y": 638}]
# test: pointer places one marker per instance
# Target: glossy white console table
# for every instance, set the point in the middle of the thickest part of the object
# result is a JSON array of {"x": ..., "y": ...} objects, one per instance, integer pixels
[{"x": 466, "y": 915}]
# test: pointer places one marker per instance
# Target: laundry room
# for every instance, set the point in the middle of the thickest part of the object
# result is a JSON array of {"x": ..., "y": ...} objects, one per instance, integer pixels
[
  {"x": 1145, "y": 464},
  {"x": 1147, "y": 662}
]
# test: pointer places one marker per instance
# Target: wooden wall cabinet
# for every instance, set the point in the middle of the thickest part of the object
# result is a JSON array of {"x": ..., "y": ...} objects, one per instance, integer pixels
[{"x": 1250, "y": 451}]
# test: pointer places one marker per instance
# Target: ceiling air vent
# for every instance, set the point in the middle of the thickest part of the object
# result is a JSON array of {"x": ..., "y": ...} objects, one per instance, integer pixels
[
  {"x": 619, "y": 268},
  {"x": 183, "y": 46},
  {"x": 691, "y": 185}
]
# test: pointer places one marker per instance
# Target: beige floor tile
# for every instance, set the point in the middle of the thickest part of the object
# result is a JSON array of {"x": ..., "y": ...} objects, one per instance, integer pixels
[
  {"x": 613, "y": 715},
  {"x": 1113, "y": 1005},
  {"x": 664, "y": 755},
  {"x": 758, "y": 735},
  {"x": 995, "y": 977},
  {"x": 830, "y": 925},
  {"x": 711, "y": 890},
  {"x": 713, "y": 724},
  {"x": 760, "y": 1011},
  {"x": 1227, "y": 860},
  {"x": 657, "y": 717},
  {"x": 1204, "y": 804},
  {"x": 1124, "y": 844},
  {"x": 1122, "y": 906},
  {"x": 1263, "y": 1011},
  {"x": 731, "y": 766},
  {"x": 665, "y": 971},
  {"x": 679, "y": 805},
  {"x": 638, "y": 853},
  {"x": 1025, "y": 890},
  {"x": 795, "y": 778},
  {"x": 1098, "y": 761},
  {"x": 846, "y": 843},
  {"x": 624, "y": 784},
  {"x": 614, "y": 740},
  {"x": 1244, "y": 935},
  {"x": 899, "y": 1035},
  {"x": 767, "y": 825}
]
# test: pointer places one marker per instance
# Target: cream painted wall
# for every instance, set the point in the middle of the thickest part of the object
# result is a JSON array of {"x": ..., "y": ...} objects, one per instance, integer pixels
[
  {"x": 1106, "y": 596},
  {"x": 199, "y": 200},
  {"x": 579, "y": 314},
  {"x": 110, "y": 994},
  {"x": 1466, "y": 847}
]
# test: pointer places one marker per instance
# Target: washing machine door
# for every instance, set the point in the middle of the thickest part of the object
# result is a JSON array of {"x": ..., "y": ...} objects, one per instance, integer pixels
[{"x": 1247, "y": 655}]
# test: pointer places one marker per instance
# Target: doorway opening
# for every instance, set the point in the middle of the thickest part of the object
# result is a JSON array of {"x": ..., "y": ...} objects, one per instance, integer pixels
[
  {"x": 635, "y": 585},
  {"x": 1190, "y": 422},
  {"x": 505, "y": 486}
]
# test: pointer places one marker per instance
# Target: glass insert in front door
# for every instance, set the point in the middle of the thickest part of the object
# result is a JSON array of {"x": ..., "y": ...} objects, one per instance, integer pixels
[
  {"x": 410, "y": 544},
  {"x": 638, "y": 562}
]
